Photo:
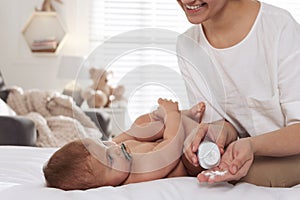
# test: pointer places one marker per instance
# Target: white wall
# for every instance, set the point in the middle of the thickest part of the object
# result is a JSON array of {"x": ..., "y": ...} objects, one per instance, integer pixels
[{"x": 18, "y": 65}]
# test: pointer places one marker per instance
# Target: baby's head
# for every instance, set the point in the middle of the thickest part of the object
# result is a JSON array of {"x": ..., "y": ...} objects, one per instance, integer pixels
[{"x": 84, "y": 164}]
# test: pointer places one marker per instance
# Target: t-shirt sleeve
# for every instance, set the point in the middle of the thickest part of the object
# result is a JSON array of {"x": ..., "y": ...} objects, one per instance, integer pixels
[{"x": 289, "y": 71}]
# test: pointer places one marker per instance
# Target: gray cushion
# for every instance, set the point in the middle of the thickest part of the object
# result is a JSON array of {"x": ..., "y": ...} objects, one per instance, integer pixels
[{"x": 17, "y": 131}]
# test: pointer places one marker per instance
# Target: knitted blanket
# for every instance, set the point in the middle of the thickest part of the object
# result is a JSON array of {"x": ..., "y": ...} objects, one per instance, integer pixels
[{"x": 57, "y": 118}]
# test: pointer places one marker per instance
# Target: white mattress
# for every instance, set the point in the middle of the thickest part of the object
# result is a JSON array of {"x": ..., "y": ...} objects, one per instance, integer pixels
[{"x": 21, "y": 178}]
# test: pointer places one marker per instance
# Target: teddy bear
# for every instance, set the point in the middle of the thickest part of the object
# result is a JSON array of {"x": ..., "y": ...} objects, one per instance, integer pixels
[
  {"x": 100, "y": 94},
  {"x": 118, "y": 100},
  {"x": 47, "y": 6}
]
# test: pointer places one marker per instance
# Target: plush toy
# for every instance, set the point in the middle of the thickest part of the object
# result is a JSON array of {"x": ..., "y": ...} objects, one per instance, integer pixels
[
  {"x": 100, "y": 93},
  {"x": 118, "y": 101},
  {"x": 47, "y": 6}
]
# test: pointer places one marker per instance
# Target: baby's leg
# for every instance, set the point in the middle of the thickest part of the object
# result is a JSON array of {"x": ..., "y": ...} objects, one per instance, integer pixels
[
  {"x": 144, "y": 128},
  {"x": 146, "y": 118},
  {"x": 196, "y": 112},
  {"x": 147, "y": 132},
  {"x": 188, "y": 124},
  {"x": 147, "y": 127}
]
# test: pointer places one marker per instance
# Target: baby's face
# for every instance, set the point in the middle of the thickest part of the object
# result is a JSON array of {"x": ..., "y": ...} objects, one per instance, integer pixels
[{"x": 110, "y": 162}]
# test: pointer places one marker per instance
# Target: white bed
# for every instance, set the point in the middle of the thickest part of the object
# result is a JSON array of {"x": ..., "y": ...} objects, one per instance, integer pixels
[{"x": 21, "y": 178}]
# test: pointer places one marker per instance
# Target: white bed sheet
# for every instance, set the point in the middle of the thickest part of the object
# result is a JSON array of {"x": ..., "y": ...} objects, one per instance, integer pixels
[{"x": 21, "y": 178}]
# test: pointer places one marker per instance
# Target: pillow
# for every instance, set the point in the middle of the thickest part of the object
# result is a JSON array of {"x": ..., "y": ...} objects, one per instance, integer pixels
[{"x": 5, "y": 110}]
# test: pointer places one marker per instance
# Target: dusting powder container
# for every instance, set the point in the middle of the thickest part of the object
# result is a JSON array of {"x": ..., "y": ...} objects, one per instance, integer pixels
[{"x": 208, "y": 154}]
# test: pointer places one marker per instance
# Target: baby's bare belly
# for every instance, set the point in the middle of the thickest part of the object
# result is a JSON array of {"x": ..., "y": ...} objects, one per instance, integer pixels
[
  {"x": 178, "y": 170},
  {"x": 137, "y": 147}
]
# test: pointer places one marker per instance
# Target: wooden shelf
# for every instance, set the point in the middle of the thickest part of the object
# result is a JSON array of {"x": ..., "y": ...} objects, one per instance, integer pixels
[{"x": 44, "y": 27}]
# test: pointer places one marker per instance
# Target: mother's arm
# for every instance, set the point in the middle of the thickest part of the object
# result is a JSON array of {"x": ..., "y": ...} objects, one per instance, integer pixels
[
  {"x": 221, "y": 132},
  {"x": 238, "y": 158}
]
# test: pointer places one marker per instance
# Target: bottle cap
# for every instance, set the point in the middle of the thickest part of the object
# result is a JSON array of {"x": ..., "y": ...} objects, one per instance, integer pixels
[{"x": 208, "y": 154}]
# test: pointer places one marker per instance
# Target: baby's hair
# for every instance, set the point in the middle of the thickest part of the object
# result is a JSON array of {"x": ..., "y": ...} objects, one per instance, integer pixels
[{"x": 68, "y": 168}]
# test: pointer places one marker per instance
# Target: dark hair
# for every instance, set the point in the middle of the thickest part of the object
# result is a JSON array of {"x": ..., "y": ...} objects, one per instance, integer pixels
[{"x": 67, "y": 168}]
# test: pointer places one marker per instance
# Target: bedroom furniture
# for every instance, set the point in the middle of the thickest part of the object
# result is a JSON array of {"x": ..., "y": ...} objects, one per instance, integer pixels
[
  {"x": 44, "y": 33},
  {"x": 10, "y": 124},
  {"x": 25, "y": 129},
  {"x": 21, "y": 177},
  {"x": 117, "y": 118},
  {"x": 118, "y": 123},
  {"x": 102, "y": 121}
]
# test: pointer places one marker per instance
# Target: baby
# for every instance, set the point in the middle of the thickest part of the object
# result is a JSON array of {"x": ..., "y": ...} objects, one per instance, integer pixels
[{"x": 151, "y": 149}]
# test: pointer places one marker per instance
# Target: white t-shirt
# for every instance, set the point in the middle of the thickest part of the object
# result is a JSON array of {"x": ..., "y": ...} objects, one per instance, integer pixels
[{"x": 254, "y": 84}]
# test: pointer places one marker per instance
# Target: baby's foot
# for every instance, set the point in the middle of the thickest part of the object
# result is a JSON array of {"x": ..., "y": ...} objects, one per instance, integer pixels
[{"x": 197, "y": 111}]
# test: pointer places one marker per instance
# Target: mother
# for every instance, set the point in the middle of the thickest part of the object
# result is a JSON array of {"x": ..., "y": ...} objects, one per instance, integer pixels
[{"x": 255, "y": 47}]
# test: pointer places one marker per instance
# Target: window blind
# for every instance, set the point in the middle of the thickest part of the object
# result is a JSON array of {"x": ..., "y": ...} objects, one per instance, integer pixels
[
  {"x": 146, "y": 73},
  {"x": 111, "y": 17}
]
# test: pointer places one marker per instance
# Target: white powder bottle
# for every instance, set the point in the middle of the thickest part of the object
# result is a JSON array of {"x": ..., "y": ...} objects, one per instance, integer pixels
[{"x": 208, "y": 154}]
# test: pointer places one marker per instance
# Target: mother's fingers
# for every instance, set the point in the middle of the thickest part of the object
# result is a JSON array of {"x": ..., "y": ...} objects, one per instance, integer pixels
[
  {"x": 191, "y": 157},
  {"x": 200, "y": 134},
  {"x": 223, "y": 175},
  {"x": 188, "y": 152},
  {"x": 213, "y": 175}
]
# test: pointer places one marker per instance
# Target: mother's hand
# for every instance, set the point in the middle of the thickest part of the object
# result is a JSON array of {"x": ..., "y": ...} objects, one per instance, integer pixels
[
  {"x": 235, "y": 163},
  {"x": 221, "y": 132}
]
